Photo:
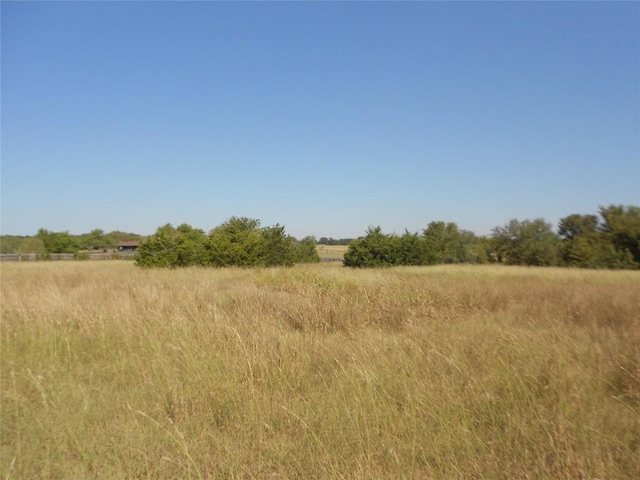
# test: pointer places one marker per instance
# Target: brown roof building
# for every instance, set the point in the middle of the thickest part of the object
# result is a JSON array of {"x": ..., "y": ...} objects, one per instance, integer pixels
[{"x": 128, "y": 246}]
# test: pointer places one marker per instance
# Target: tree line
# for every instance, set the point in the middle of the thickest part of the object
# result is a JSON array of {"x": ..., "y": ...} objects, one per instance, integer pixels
[
  {"x": 334, "y": 241},
  {"x": 608, "y": 240},
  {"x": 239, "y": 241},
  {"x": 46, "y": 242}
]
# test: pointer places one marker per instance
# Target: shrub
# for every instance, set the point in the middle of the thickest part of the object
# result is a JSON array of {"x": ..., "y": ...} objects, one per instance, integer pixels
[
  {"x": 173, "y": 247},
  {"x": 375, "y": 249},
  {"x": 305, "y": 251},
  {"x": 237, "y": 242}
]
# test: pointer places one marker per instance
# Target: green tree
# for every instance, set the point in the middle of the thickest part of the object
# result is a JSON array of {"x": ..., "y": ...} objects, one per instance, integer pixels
[
  {"x": 237, "y": 242},
  {"x": 333, "y": 241},
  {"x": 305, "y": 251},
  {"x": 473, "y": 248},
  {"x": 440, "y": 243},
  {"x": 526, "y": 243},
  {"x": 173, "y": 247},
  {"x": 191, "y": 246},
  {"x": 375, "y": 249},
  {"x": 277, "y": 248},
  {"x": 621, "y": 227},
  {"x": 582, "y": 243},
  {"x": 159, "y": 250},
  {"x": 95, "y": 240},
  {"x": 411, "y": 250},
  {"x": 10, "y": 243},
  {"x": 32, "y": 245},
  {"x": 58, "y": 242},
  {"x": 575, "y": 226},
  {"x": 444, "y": 242}
]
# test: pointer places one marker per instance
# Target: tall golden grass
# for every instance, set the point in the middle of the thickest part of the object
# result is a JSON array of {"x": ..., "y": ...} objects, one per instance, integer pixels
[{"x": 109, "y": 371}]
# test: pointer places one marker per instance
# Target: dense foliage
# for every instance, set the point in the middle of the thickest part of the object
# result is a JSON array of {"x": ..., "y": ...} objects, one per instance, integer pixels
[
  {"x": 237, "y": 242},
  {"x": 46, "y": 242},
  {"x": 440, "y": 242},
  {"x": 610, "y": 240}
]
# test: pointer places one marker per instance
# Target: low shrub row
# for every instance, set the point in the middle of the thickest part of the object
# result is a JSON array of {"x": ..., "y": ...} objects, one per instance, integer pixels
[{"x": 237, "y": 242}]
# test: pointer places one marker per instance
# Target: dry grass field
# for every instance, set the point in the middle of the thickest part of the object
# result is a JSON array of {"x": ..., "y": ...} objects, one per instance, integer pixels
[
  {"x": 331, "y": 251},
  {"x": 109, "y": 371}
]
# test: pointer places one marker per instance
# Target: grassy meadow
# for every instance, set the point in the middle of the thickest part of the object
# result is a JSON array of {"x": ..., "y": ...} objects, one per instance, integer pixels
[
  {"x": 331, "y": 251},
  {"x": 486, "y": 372}
]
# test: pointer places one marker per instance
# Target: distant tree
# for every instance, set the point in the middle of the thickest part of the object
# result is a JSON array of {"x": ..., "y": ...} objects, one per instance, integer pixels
[
  {"x": 375, "y": 249},
  {"x": 333, "y": 241},
  {"x": 278, "y": 249},
  {"x": 159, "y": 249},
  {"x": 173, "y": 247},
  {"x": 444, "y": 242},
  {"x": 10, "y": 243},
  {"x": 411, "y": 250},
  {"x": 238, "y": 242},
  {"x": 621, "y": 227},
  {"x": 473, "y": 248},
  {"x": 305, "y": 251},
  {"x": 575, "y": 226},
  {"x": 191, "y": 246},
  {"x": 94, "y": 240},
  {"x": 58, "y": 242},
  {"x": 440, "y": 243},
  {"x": 526, "y": 243},
  {"x": 32, "y": 245},
  {"x": 582, "y": 243}
]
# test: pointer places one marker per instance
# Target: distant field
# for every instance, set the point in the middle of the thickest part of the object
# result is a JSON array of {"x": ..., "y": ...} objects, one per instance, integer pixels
[
  {"x": 332, "y": 251},
  {"x": 110, "y": 371}
]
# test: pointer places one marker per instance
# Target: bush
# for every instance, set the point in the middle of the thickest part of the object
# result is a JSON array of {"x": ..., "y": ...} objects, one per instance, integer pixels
[
  {"x": 305, "y": 251},
  {"x": 173, "y": 247},
  {"x": 440, "y": 242},
  {"x": 237, "y": 242},
  {"x": 375, "y": 249}
]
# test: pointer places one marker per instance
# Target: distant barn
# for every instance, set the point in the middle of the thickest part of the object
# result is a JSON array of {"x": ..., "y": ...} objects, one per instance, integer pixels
[{"x": 128, "y": 246}]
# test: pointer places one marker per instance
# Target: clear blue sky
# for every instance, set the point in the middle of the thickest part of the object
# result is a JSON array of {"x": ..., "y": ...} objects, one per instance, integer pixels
[{"x": 324, "y": 117}]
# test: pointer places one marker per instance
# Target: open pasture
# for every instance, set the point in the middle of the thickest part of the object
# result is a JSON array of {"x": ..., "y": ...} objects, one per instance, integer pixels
[
  {"x": 110, "y": 371},
  {"x": 331, "y": 251}
]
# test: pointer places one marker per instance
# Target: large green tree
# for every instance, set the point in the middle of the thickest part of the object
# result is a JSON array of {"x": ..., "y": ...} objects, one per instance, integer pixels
[
  {"x": 583, "y": 245},
  {"x": 173, "y": 247},
  {"x": 375, "y": 249},
  {"x": 94, "y": 240},
  {"x": 411, "y": 249},
  {"x": 440, "y": 242},
  {"x": 238, "y": 241},
  {"x": 58, "y": 242},
  {"x": 10, "y": 243},
  {"x": 474, "y": 248},
  {"x": 528, "y": 242},
  {"x": 621, "y": 227},
  {"x": 277, "y": 247},
  {"x": 444, "y": 242},
  {"x": 305, "y": 250}
]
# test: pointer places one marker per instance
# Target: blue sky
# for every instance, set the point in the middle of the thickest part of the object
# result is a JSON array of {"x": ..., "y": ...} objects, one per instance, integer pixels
[{"x": 324, "y": 117}]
